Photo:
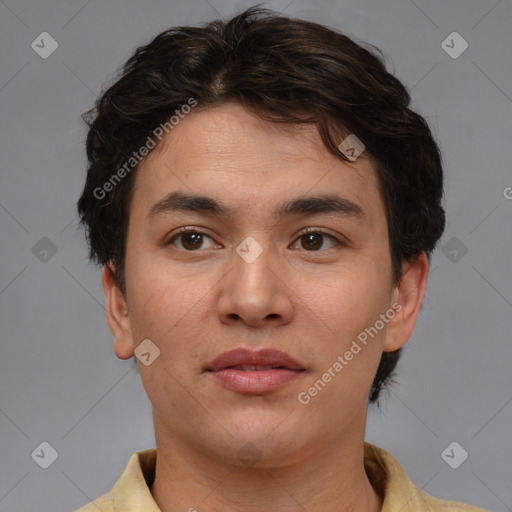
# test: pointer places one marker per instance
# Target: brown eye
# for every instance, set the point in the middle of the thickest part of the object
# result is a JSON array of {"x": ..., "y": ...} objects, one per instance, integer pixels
[
  {"x": 312, "y": 241},
  {"x": 190, "y": 240},
  {"x": 316, "y": 241}
]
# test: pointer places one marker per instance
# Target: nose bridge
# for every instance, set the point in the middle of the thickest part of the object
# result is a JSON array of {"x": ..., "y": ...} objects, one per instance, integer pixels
[
  {"x": 251, "y": 263},
  {"x": 252, "y": 292}
]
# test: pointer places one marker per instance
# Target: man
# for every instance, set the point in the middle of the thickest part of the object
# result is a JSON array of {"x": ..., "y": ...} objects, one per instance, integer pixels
[{"x": 264, "y": 205}]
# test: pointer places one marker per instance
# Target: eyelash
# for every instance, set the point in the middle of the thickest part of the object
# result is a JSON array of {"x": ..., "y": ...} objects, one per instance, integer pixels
[{"x": 304, "y": 232}]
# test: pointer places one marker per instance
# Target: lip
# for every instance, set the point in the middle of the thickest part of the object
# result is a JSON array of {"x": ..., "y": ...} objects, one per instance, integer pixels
[
  {"x": 254, "y": 381},
  {"x": 244, "y": 356}
]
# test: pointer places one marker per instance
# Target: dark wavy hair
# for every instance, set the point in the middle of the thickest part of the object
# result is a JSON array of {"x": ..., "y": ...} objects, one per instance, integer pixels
[{"x": 284, "y": 70}]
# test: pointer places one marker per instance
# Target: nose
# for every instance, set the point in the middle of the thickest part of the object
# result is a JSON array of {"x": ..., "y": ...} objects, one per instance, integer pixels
[{"x": 255, "y": 291}]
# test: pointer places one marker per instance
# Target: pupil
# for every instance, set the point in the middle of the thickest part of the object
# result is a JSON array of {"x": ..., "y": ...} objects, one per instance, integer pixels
[
  {"x": 314, "y": 241},
  {"x": 192, "y": 240}
]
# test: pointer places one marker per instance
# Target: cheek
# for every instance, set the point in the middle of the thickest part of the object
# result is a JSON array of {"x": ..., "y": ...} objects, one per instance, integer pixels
[
  {"x": 347, "y": 348},
  {"x": 160, "y": 297},
  {"x": 347, "y": 301},
  {"x": 172, "y": 311}
]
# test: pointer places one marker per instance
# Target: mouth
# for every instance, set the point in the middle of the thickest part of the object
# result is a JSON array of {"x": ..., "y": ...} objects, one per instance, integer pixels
[
  {"x": 246, "y": 360},
  {"x": 254, "y": 373},
  {"x": 256, "y": 367}
]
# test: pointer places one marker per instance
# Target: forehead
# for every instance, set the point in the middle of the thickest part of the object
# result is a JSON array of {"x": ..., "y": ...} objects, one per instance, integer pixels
[
  {"x": 230, "y": 132},
  {"x": 227, "y": 150}
]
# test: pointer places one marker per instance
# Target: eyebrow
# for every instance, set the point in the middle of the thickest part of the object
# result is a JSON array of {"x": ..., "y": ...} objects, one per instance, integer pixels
[{"x": 329, "y": 203}]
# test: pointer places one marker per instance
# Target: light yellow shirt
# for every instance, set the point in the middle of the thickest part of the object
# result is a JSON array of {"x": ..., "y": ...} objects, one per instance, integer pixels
[{"x": 132, "y": 491}]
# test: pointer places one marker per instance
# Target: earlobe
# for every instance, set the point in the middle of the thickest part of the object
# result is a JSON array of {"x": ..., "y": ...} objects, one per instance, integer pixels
[
  {"x": 408, "y": 296},
  {"x": 117, "y": 315}
]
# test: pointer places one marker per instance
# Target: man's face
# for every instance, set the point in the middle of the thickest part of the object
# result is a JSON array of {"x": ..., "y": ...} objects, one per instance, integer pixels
[{"x": 306, "y": 294}]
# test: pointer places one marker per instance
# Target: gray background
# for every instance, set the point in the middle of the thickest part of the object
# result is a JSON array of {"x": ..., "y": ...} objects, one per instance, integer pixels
[{"x": 59, "y": 379}]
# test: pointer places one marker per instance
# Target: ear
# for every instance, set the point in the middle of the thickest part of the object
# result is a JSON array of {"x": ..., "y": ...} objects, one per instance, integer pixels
[
  {"x": 117, "y": 315},
  {"x": 408, "y": 296}
]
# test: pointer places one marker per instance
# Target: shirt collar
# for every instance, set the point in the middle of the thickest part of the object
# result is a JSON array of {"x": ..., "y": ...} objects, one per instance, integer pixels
[{"x": 132, "y": 493}]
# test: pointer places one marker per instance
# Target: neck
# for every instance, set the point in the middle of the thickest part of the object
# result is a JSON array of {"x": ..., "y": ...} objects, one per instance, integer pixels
[{"x": 326, "y": 480}]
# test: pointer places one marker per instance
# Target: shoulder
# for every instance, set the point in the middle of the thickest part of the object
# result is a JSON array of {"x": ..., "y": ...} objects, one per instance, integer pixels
[
  {"x": 131, "y": 489},
  {"x": 429, "y": 503},
  {"x": 398, "y": 491}
]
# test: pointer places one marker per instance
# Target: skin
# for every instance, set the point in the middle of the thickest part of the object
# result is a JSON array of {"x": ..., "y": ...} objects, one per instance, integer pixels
[{"x": 310, "y": 303}]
